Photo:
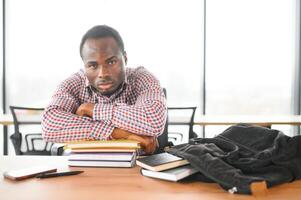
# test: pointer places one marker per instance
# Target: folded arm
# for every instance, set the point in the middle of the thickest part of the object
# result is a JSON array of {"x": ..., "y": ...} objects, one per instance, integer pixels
[
  {"x": 146, "y": 117},
  {"x": 148, "y": 143},
  {"x": 60, "y": 122},
  {"x": 66, "y": 119}
]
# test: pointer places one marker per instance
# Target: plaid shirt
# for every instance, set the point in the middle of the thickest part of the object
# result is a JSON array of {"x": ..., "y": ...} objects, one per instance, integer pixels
[{"x": 139, "y": 106}]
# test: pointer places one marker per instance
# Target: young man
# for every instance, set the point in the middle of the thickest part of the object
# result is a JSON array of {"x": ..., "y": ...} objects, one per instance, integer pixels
[{"x": 106, "y": 100}]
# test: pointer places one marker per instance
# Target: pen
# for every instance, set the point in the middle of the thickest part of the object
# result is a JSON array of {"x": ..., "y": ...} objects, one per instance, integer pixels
[{"x": 57, "y": 174}]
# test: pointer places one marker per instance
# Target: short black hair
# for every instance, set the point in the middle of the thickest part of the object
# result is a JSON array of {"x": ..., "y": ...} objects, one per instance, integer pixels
[{"x": 101, "y": 31}]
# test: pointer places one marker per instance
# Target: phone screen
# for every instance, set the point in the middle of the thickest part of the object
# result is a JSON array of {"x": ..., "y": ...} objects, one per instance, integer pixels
[{"x": 28, "y": 172}]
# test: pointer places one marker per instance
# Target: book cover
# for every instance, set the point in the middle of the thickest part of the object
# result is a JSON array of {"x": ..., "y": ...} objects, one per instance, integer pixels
[
  {"x": 174, "y": 174},
  {"x": 160, "y": 162},
  {"x": 95, "y": 150},
  {"x": 103, "y": 156},
  {"x": 103, "y": 144},
  {"x": 81, "y": 163}
]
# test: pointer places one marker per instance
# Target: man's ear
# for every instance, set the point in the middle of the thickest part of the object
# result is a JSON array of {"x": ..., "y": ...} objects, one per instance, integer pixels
[{"x": 125, "y": 57}]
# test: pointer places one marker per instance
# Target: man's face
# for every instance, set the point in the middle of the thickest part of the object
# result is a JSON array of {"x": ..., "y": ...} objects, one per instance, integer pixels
[{"x": 104, "y": 64}]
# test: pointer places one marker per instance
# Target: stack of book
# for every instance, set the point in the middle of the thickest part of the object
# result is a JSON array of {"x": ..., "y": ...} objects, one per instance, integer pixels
[
  {"x": 165, "y": 166},
  {"x": 112, "y": 153}
]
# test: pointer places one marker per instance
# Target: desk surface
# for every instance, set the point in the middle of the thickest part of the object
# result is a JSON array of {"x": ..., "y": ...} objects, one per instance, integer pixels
[
  {"x": 7, "y": 119},
  {"x": 117, "y": 183},
  {"x": 235, "y": 119}
]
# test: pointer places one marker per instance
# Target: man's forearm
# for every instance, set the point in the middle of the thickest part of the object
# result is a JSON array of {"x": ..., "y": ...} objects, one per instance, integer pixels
[
  {"x": 62, "y": 126},
  {"x": 148, "y": 143},
  {"x": 120, "y": 134},
  {"x": 147, "y": 119}
]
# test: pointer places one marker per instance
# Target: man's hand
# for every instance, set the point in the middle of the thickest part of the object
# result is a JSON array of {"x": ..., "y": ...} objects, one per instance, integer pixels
[
  {"x": 147, "y": 143},
  {"x": 86, "y": 109}
]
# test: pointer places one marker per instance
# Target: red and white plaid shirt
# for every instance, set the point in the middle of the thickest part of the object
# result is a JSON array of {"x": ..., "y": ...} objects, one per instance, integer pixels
[{"x": 139, "y": 106}]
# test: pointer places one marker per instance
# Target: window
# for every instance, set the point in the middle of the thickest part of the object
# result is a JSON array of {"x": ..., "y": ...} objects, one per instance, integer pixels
[
  {"x": 250, "y": 57},
  {"x": 1, "y": 75},
  {"x": 44, "y": 36},
  {"x": 43, "y": 44},
  {"x": 249, "y": 49}
]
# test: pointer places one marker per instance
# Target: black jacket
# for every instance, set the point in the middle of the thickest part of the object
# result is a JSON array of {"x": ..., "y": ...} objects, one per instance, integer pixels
[{"x": 244, "y": 154}]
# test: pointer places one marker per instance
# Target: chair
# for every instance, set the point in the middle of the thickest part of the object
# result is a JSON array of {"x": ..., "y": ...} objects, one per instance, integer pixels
[
  {"x": 163, "y": 138},
  {"x": 181, "y": 116},
  {"x": 27, "y": 138}
]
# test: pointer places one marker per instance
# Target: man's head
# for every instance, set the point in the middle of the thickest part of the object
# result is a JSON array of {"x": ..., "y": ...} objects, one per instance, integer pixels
[{"x": 103, "y": 54}]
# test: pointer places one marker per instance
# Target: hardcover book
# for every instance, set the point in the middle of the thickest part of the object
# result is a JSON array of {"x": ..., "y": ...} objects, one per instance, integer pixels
[
  {"x": 161, "y": 161},
  {"x": 174, "y": 174},
  {"x": 99, "y": 163},
  {"x": 111, "y": 153},
  {"x": 103, "y": 144},
  {"x": 95, "y": 150},
  {"x": 103, "y": 156}
]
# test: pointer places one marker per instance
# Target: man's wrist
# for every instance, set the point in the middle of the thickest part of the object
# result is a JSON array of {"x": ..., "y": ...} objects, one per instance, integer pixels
[
  {"x": 120, "y": 134},
  {"x": 148, "y": 143},
  {"x": 89, "y": 109}
]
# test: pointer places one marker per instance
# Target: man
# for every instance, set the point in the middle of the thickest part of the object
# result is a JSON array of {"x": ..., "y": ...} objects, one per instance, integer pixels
[{"x": 106, "y": 100}]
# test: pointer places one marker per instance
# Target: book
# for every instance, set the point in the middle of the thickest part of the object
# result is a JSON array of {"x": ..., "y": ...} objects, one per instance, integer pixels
[
  {"x": 99, "y": 163},
  {"x": 174, "y": 174},
  {"x": 95, "y": 150},
  {"x": 103, "y": 144},
  {"x": 111, "y": 153},
  {"x": 161, "y": 161},
  {"x": 103, "y": 156}
]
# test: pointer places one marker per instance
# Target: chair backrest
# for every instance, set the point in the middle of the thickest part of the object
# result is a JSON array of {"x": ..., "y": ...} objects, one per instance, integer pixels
[
  {"x": 182, "y": 116},
  {"x": 27, "y": 138},
  {"x": 163, "y": 138}
]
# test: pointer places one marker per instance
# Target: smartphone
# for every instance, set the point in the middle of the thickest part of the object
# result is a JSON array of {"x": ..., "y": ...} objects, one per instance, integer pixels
[{"x": 25, "y": 173}]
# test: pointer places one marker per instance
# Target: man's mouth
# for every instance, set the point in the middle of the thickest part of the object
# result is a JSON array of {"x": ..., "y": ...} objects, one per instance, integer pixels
[{"x": 104, "y": 86}]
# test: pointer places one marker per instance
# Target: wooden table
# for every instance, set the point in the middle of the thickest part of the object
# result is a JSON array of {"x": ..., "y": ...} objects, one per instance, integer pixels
[
  {"x": 261, "y": 120},
  {"x": 7, "y": 119},
  {"x": 118, "y": 183},
  {"x": 205, "y": 120}
]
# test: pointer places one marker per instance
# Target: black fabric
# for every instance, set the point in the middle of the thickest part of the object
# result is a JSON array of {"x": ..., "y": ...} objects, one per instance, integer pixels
[{"x": 244, "y": 154}]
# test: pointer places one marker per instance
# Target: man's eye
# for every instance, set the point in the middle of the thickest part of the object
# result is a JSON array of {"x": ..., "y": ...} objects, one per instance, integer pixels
[
  {"x": 92, "y": 66},
  {"x": 112, "y": 62}
]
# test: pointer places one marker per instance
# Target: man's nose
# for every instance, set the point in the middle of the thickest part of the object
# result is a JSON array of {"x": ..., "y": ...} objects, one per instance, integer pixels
[{"x": 103, "y": 71}]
